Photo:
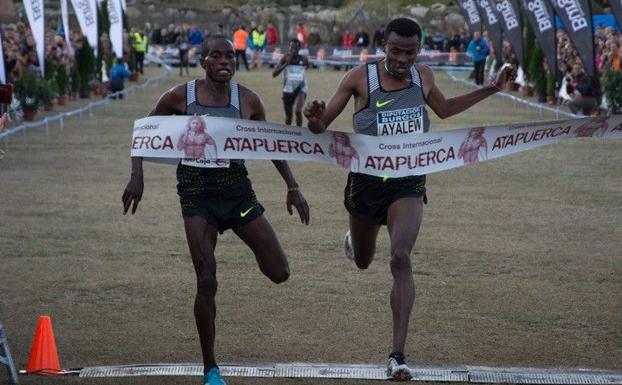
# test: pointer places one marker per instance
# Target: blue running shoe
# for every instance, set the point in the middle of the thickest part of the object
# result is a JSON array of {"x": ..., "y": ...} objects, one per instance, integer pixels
[{"x": 213, "y": 377}]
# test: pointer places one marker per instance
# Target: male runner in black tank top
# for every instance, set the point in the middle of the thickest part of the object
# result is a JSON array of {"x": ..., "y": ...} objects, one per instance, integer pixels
[
  {"x": 397, "y": 202},
  {"x": 202, "y": 218}
]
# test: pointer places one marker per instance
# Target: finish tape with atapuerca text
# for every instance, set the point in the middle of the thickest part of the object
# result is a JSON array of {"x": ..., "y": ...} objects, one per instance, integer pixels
[{"x": 206, "y": 141}]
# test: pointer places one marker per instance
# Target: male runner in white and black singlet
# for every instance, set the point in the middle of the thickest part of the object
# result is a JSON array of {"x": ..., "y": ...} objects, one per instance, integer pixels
[
  {"x": 295, "y": 87},
  {"x": 390, "y": 98},
  {"x": 214, "y": 199}
]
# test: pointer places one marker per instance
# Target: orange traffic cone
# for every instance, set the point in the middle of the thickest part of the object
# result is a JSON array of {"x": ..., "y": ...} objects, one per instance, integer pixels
[{"x": 43, "y": 357}]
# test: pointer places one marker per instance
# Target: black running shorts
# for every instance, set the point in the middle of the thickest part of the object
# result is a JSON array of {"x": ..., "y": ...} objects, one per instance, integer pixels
[
  {"x": 368, "y": 197},
  {"x": 224, "y": 209}
]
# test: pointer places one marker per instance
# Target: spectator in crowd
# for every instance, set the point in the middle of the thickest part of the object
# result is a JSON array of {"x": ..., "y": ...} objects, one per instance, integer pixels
[
  {"x": 169, "y": 36},
  {"x": 118, "y": 74},
  {"x": 455, "y": 42},
  {"x": 259, "y": 40},
  {"x": 492, "y": 56},
  {"x": 183, "y": 45},
  {"x": 272, "y": 34},
  {"x": 361, "y": 38},
  {"x": 314, "y": 39},
  {"x": 609, "y": 57},
  {"x": 301, "y": 34},
  {"x": 195, "y": 36},
  {"x": 147, "y": 30},
  {"x": 614, "y": 51},
  {"x": 4, "y": 123},
  {"x": 347, "y": 41},
  {"x": 437, "y": 41},
  {"x": 156, "y": 35},
  {"x": 478, "y": 50},
  {"x": 250, "y": 33},
  {"x": 20, "y": 53},
  {"x": 599, "y": 53},
  {"x": 140, "y": 46},
  {"x": 240, "y": 43},
  {"x": 336, "y": 37},
  {"x": 105, "y": 48},
  {"x": 582, "y": 90},
  {"x": 378, "y": 40},
  {"x": 507, "y": 53}
]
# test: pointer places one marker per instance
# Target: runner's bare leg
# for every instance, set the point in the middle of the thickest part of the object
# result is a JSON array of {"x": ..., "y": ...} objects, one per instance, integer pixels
[
  {"x": 403, "y": 222},
  {"x": 201, "y": 237},
  {"x": 363, "y": 241},
  {"x": 262, "y": 240},
  {"x": 298, "y": 106}
]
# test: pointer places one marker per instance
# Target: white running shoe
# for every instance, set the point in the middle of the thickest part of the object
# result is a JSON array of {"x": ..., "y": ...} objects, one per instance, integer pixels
[
  {"x": 347, "y": 246},
  {"x": 397, "y": 370}
]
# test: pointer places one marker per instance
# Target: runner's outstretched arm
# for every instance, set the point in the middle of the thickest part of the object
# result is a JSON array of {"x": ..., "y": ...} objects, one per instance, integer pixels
[
  {"x": 445, "y": 108},
  {"x": 319, "y": 115}
]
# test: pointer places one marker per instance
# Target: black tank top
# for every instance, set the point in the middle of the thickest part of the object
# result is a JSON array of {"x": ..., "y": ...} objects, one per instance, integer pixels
[
  {"x": 195, "y": 178},
  {"x": 390, "y": 113}
]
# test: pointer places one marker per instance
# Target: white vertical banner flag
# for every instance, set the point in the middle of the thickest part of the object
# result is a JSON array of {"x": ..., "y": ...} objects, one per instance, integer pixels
[
  {"x": 64, "y": 10},
  {"x": 116, "y": 26},
  {"x": 34, "y": 11},
  {"x": 2, "y": 73},
  {"x": 124, "y": 5},
  {"x": 86, "y": 12}
]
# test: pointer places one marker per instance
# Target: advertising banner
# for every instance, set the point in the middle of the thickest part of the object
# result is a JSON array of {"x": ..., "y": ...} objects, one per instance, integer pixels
[{"x": 205, "y": 141}]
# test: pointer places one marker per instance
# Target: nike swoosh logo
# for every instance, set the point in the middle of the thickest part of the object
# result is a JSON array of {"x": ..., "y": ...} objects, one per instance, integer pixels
[
  {"x": 380, "y": 104},
  {"x": 243, "y": 213}
]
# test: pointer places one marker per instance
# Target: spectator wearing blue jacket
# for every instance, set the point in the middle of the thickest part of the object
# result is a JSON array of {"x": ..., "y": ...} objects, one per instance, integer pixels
[
  {"x": 196, "y": 36},
  {"x": 478, "y": 50},
  {"x": 118, "y": 74}
]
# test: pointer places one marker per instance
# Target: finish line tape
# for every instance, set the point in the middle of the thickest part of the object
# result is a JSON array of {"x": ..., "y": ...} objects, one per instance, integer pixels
[
  {"x": 466, "y": 374},
  {"x": 206, "y": 141}
]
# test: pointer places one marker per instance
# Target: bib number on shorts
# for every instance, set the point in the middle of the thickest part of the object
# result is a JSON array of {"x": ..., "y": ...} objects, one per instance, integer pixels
[{"x": 206, "y": 163}]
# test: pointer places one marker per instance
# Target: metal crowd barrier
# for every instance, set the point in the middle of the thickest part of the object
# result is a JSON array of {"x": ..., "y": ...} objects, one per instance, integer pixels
[
  {"x": 60, "y": 117},
  {"x": 529, "y": 103},
  {"x": 326, "y": 56}
]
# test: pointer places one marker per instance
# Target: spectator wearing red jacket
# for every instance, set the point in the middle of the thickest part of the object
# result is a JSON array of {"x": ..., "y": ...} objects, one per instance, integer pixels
[
  {"x": 301, "y": 34},
  {"x": 347, "y": 41},
  {"x": 272, "y": 34}
]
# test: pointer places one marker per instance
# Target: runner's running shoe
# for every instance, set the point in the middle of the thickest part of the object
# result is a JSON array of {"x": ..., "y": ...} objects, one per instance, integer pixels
[
  {"x": 397, "y": 370},
  {"x": 213, "y": 377},
  {"x": 347, "y": 246}
]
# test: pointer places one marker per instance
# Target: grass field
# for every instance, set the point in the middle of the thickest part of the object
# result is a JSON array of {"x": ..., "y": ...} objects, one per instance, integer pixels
[{"x": 518, "y": 262}]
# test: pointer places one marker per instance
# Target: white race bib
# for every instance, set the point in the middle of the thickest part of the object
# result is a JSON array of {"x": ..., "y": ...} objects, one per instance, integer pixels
[
  {"x": 400, "y": 122},
  {"x": 295, "y": 73},
  {"x": 206, "y": 163}
]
